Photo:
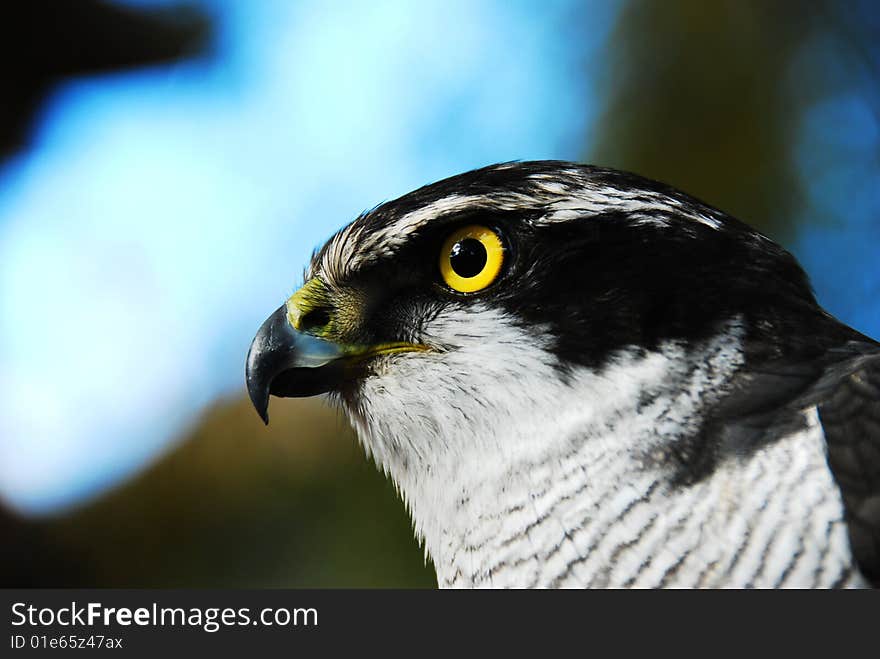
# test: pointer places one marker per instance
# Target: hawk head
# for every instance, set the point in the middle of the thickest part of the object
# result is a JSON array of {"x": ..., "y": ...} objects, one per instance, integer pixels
[
  {"x": 481, "y": 327},
  {"x": 458, "y": 286}
]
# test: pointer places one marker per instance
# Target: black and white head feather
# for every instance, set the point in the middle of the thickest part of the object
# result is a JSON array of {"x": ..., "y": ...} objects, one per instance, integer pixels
[{"x": 648, "y": 394}]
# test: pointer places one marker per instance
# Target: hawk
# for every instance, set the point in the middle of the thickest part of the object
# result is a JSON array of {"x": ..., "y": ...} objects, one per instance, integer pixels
[{"x": 577, "y": 377}]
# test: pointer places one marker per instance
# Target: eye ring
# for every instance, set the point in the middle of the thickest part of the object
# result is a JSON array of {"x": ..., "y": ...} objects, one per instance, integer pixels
[{"x": 471, "y": 258}]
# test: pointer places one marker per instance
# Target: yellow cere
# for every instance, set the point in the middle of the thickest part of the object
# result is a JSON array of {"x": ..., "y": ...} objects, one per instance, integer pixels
[
  {"x": 311, "y": 296},
  {"x": 490, "y": 270}
]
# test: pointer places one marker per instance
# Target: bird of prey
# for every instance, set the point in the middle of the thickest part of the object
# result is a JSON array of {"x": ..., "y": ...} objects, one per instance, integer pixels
[{"x": 577, "y": 377}]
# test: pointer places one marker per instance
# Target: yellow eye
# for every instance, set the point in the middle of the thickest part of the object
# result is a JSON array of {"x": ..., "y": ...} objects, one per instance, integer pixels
[{"x": 471, "y": 258}]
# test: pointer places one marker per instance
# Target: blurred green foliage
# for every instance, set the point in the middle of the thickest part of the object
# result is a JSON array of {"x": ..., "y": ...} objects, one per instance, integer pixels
[{"x": 699, "y": 96}]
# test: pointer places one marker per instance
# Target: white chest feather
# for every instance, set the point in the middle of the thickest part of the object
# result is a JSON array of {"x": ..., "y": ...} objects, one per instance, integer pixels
[{"x": 519, "y": 475}]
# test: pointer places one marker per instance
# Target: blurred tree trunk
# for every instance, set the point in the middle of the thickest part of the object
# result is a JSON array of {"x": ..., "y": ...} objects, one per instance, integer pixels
[{"x": 699, "y": 97}]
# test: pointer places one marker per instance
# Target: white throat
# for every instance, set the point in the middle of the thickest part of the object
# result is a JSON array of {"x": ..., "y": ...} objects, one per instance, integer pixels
[{"x": 516, "y": 472}]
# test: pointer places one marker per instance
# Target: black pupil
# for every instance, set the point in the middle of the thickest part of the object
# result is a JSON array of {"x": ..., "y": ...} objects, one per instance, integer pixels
[{"x": 468, "y": 257}]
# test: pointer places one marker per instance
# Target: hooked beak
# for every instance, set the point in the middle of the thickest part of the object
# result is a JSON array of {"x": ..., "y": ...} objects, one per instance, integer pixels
[
  {"x": 293, "y": 354},
  {"x": 283, "y": 361}
]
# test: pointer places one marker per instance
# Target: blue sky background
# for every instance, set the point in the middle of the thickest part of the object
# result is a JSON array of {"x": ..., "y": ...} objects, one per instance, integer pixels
[
  {"x": 838, "y": 160},
  {"x": 163, "y": 214}
]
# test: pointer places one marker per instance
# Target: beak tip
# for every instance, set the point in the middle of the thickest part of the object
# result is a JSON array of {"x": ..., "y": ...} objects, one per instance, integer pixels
[
  {"x": 260, "y": 400},
  {"x": 256, "y": 380},
  {"x": 262, "y": 409}
]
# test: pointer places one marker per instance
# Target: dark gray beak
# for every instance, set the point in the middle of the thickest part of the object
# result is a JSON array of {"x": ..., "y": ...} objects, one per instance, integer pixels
[{"x": 285, "y": 362}]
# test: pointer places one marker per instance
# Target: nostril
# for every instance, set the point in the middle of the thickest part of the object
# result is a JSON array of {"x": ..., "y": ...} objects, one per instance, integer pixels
[{"x": 314, "y": 319}]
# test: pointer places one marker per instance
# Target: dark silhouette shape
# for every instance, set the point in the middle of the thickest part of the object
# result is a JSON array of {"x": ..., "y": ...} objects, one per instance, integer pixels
[{"x": 44, "y": 41}]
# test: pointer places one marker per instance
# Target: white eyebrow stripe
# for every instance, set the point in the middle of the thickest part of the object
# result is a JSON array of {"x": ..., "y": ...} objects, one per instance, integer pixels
[
  {"x": 596, "y": 201},
  {"x": 556, "y": 200},
  {"x": 340, "y": 252},
  {"x": 395, "y": 234}
]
